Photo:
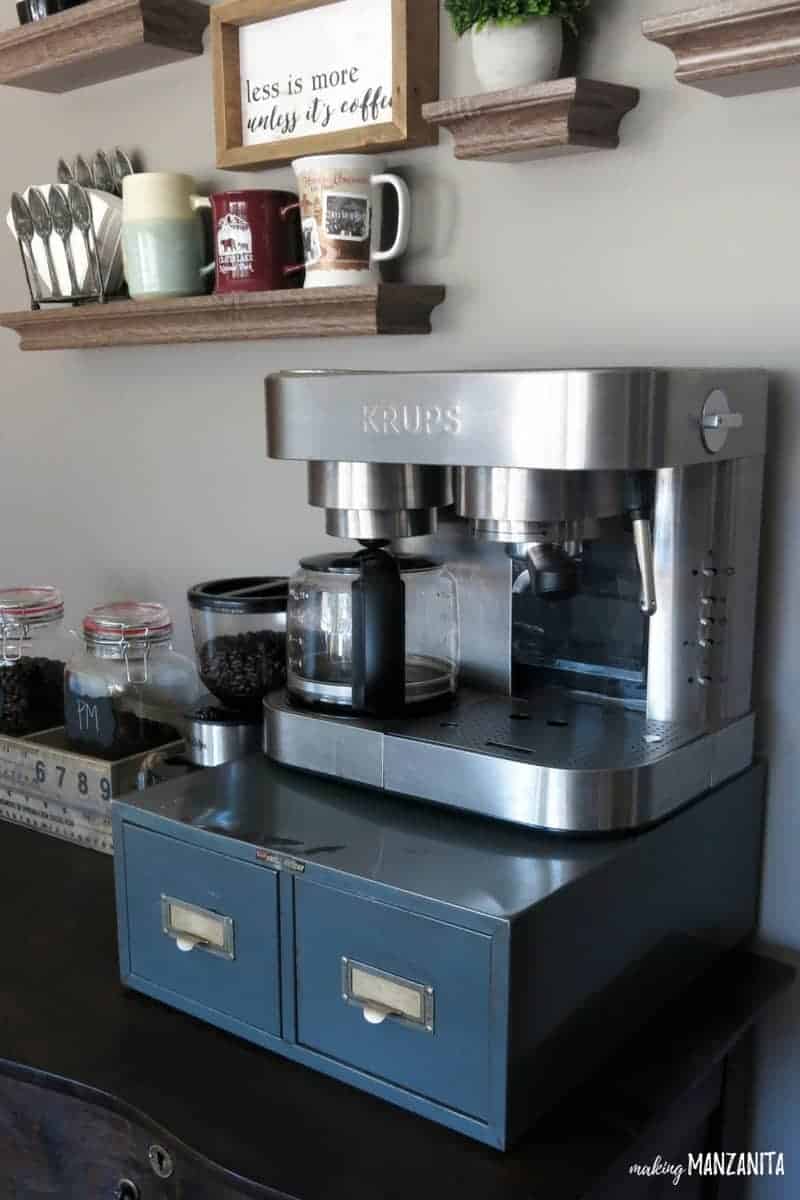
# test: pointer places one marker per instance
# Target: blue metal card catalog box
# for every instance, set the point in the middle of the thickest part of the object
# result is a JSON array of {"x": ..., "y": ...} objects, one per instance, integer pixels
[{"x": 467, "y": 971}]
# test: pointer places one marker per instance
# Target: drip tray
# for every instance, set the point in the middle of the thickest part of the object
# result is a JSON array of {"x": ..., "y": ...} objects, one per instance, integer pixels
[
  {"x": 552, "y": 729},
  {"x": 558, "y": 762}
]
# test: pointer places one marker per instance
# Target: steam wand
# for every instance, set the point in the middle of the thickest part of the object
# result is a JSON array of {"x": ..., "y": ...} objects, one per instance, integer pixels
[{"x": 643, "y": 542}]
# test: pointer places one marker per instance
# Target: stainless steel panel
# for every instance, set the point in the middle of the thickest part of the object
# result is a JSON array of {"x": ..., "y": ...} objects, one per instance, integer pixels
[
  {"x": 510, "y": 494},
  {"x": 609, "y": 419},
  {"x": 707, "y": 523},
  {"x": 560, "y": 763},
  {"x": 212, "y": 743},
  {"x": 374, "y": 525},
  {"x": 378, "y": 486},
  {"x": 296, "y": 739}
]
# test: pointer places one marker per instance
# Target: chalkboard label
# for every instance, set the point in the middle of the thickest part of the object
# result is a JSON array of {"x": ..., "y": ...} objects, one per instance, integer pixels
[{"x": 90, "y": 720}]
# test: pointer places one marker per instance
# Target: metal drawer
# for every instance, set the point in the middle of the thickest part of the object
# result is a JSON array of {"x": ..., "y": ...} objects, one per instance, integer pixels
[
  {"x": 400, "y": 996},
  {"x": 204, "y": 926}
]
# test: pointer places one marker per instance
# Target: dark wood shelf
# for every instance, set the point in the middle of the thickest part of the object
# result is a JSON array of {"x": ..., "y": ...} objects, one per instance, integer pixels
[
  {"x": 100, "y": 40},
  {"x": 392, "y": 308},
  {"x": 563, "y": 116},
  {"x": 733, "y": 50}
]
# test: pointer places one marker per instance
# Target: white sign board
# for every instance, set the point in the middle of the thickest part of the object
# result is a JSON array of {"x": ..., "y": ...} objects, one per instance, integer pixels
[{"x": 322, "y": 70}]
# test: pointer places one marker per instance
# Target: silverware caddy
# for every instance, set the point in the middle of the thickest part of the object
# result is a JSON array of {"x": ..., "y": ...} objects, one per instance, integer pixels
[{"x": 48, "y": 221}]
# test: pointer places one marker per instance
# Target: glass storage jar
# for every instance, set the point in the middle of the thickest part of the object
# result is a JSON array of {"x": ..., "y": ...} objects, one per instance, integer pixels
[
  {"x": 33, "y": 650},
  {"x": 372, "y": 633},
  {"x": 126, "y": 690},
  {"x": 239, "y": 631}
]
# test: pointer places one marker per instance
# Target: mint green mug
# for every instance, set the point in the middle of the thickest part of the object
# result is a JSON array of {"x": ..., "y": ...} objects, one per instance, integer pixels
[{"x": 163, "y": 240}]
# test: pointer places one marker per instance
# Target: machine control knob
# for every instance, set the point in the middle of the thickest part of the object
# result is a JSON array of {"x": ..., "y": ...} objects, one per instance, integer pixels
[
  {"x": 706, "y": 621},
  {"x": 706, "y": 643},
  {"x": 704, "y": 680},
  {"x": 717, "y": 420}
]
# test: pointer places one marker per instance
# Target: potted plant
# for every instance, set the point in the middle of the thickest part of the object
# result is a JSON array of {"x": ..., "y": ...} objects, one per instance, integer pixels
[{"x": 515, "y": 42}]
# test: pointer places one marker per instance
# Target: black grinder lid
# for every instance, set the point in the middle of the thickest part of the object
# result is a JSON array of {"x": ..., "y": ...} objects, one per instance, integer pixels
[
  {"x": 350, "y": 564},
  {"x": 251, "y": 594}
]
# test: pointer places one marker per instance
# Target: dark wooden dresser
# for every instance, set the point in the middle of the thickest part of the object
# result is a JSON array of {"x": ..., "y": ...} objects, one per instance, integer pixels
[{"x": 104, "y": 1093}]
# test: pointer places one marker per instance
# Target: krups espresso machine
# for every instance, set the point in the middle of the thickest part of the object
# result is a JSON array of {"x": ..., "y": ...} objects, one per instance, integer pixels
[
  {"x": 549, "y": 620},
  {"x": 602, "y": 530}
]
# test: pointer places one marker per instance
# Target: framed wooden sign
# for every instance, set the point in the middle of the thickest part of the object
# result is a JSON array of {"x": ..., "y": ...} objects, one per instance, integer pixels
[{"x": 296, "y": 77}]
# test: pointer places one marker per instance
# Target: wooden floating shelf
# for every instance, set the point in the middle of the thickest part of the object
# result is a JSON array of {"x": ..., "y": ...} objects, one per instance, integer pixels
[
  {"x": 100, "y": 40},
  {"x": 393, "y": 308},
  {"x": 563, "y": 116},
  {"x": 733, "y": 49}
]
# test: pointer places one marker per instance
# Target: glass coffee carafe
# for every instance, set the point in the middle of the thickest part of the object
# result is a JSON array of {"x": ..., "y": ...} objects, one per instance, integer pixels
[{"x": 372, "y": 634}]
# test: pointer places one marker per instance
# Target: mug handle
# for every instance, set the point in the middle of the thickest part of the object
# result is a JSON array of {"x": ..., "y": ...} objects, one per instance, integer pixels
[
  {"x": 198, "y": 202},
  {"x": 284, "y": 213},
  {"x": 403, "y": 217}
]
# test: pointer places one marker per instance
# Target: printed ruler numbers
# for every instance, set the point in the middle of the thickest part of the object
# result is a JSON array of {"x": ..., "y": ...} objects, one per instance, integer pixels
[
  {"x": 46, "y": 764},
  {"x": 47, "y": 786},
  {"x": 72, "y": 824},
  {"x": 55, "y": 773}
]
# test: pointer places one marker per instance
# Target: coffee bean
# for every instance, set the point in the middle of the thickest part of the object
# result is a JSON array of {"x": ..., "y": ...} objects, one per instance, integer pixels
[
  {"x": 240, "y": 669},
  {"x": 31, "y": 696}
]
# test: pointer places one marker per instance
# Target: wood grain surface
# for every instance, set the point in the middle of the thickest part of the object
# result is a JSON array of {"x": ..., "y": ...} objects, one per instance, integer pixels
[
  {"x": 733, "y": 49},
  {"x": 100, "y": 40},
  {"x": 563, "y": 116},
  {"x": 391, "y": 308}
]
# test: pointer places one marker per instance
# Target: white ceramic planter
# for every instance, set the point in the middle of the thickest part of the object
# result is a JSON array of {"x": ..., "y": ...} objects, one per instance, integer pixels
[{"x": 507, "y": 56}]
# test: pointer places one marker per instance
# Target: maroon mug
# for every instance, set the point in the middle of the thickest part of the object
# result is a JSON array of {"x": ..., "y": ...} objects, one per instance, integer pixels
[{"x": 258, "y": 241}]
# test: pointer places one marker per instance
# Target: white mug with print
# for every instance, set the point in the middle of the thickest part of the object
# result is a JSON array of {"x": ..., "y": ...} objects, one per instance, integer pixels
[{"x": 341, "y": 208}]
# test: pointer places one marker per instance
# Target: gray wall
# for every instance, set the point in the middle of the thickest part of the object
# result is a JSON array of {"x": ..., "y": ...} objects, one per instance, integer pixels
[{"x": 141, "y": 471}]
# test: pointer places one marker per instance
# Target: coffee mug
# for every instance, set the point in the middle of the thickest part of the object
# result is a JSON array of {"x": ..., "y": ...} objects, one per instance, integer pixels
[
  {"x": 163, "y": 239},
  {"x": 257, "y": 241},
  {"x": 341, "y": 206}
]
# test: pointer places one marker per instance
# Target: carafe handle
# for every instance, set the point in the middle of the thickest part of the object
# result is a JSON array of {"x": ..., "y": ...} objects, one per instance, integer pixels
[{"x": 379, "y": 636}]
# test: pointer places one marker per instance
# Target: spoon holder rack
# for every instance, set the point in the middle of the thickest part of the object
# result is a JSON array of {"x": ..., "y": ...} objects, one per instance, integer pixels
[{"x": 44, "y": 289}]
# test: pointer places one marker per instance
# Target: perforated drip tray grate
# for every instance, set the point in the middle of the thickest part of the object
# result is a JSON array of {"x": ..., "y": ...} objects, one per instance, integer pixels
[{"x": 553, "y": 729}]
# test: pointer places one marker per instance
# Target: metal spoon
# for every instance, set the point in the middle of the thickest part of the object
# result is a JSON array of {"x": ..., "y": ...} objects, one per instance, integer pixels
[
  {"x": 82, "y": 173},
  {"x": 62, "y": 223},
  {"x": 81, "y": 210},
  {"x": 103, "y": 176},
  {"x": 43, "y": 224},
  {"x": 121, "y": 167},
  {"x": 23, "y": 224},
  {"x": 64, "y": 173}
]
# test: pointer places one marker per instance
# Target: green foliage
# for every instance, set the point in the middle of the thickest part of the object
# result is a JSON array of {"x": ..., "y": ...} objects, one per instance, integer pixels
[{"x": 469, "y": 14}]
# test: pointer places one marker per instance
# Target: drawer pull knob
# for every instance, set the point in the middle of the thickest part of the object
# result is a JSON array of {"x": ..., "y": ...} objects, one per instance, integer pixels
[
  {"x": 380, "y": 994},
  {"x": 195, "y": 928},
  {"x": 374, "y": 1015}
]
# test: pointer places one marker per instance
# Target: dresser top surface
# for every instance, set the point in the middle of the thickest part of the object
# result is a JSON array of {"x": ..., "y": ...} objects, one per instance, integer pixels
[{"x": 66, "y": 1021}]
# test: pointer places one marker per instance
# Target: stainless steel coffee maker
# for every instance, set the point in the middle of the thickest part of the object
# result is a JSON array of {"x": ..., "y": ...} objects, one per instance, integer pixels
[{"x": 602, "y": 527}]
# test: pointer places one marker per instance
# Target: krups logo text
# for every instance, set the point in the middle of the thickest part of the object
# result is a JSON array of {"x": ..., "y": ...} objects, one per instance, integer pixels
[{"x": 411, "y": 418}]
